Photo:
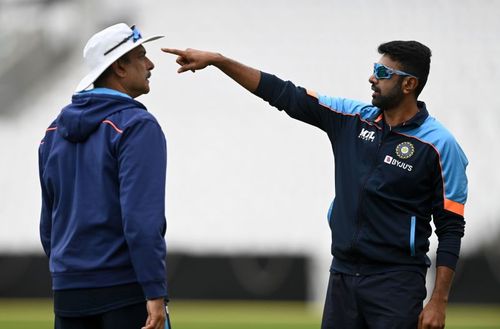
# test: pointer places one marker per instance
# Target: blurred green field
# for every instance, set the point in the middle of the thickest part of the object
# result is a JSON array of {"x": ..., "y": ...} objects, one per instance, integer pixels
[{"x": 32, "y": 313}]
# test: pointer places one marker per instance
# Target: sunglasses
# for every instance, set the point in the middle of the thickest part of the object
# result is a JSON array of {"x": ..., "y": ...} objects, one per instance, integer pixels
[
  {"x": 380, "y": 71},
  {"x": 136, "y": 35}
]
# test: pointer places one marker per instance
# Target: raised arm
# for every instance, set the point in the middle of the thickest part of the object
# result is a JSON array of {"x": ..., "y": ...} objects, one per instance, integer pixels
[
  {"x": 192, "y": 60},
  {"x": 297, "y": 102}
]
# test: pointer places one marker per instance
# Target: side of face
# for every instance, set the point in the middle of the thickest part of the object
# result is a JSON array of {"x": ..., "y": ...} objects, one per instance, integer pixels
[
  {"x": 387, "y": 93},
  {"x": 135, "y": 72}
]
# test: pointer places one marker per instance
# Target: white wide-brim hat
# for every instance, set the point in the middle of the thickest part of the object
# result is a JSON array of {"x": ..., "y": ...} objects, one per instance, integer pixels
[{"x": 106, "y": 46}]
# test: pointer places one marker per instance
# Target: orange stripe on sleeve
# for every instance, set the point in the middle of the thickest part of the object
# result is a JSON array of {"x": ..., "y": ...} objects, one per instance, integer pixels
[
  {"x": 454, "y": 207},
  {"x": 312, "y": 93},
  {"x": 113, "y": 125}
]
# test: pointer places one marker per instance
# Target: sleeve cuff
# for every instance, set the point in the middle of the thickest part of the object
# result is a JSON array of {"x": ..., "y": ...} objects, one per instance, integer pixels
[
  {"x": 446, "y": 259},
  {"x": 267, "y": 86},
  {"x": 155, "y": 290}
]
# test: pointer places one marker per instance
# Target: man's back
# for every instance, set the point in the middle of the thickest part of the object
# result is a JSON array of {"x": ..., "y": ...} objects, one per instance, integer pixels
[{"x": 103, "y": 176}]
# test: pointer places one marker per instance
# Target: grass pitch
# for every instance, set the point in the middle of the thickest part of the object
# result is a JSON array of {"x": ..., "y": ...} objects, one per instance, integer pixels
[{"x": 32, "y": 313}]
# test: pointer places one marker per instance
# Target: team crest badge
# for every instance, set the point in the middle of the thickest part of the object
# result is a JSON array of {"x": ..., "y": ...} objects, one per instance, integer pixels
[{"x": 405, "y": 150}]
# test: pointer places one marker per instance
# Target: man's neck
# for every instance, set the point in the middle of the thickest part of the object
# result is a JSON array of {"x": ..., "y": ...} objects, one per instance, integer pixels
[
  {"x": 401, "y": 113},
  {"x": 106, "y": 91},
  {"x": 113, "y": 85}
]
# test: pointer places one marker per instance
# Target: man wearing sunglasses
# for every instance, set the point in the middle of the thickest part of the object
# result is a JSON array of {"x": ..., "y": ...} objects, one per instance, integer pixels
[
  {"x": 102, "y": 172},
  {"x": 396, "y": 169}
]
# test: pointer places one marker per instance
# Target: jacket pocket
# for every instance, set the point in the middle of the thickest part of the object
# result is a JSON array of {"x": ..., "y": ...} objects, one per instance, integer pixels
[
  {"x": 413, "y": 223},
  {"x": 330, "y": 211}
]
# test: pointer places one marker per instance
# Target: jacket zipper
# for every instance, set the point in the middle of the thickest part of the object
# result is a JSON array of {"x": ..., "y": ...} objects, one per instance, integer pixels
[{"x": 362, "y": 191}]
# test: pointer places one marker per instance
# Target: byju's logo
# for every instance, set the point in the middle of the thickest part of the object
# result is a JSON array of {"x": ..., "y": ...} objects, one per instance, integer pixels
[
  {"x": 367, "y": 135},
  {"x": 393, "y": 162}
]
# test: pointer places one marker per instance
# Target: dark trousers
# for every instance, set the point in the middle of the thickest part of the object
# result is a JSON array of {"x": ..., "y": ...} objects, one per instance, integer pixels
[
  {"x": 391, "y": 300},
  {"x": 132, "y": 316}
]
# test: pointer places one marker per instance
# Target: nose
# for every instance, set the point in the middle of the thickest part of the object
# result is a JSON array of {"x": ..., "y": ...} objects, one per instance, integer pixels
[
  {"x": 372, "y": 79},
  {"x": 150, "y": 64}
]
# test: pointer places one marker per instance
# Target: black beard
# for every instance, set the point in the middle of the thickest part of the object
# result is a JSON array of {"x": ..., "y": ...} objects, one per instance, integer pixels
[{"x": 391, "y": 100}]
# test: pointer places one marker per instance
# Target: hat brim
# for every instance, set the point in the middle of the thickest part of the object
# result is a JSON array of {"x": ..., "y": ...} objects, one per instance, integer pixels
[{"x": 120, "y": 51}]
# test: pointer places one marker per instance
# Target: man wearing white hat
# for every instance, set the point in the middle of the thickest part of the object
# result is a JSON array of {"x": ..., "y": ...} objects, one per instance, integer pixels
[{"x": 102, "y": 172}]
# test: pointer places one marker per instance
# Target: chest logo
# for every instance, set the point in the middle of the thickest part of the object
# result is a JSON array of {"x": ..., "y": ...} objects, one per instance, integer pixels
[
  {"x": 367, "y": 135},
  {"x": 405, "y": 150},
  {"x": 396, "y": 163}
]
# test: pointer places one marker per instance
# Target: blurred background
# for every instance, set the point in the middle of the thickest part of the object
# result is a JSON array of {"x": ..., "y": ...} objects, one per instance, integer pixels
[{"x": 248, "y": 188}]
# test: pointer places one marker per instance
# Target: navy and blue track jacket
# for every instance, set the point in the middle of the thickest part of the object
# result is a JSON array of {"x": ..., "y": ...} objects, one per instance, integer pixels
[
  {"x": 102, "y": 172},
  {"x": 389, "y": 183}
]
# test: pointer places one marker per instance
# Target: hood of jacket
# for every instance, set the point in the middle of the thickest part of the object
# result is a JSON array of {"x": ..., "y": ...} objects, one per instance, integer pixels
[{"x": 78, "y": 120}]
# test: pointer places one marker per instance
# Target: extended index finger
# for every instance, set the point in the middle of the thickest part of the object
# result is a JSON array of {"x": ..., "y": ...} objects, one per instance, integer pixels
[{"x": 174, "y": 51}]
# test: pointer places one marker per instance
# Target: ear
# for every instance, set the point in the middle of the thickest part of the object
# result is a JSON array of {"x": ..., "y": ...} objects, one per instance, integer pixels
[
  {"x": 409, "y": 85},
  {"x": 119, "y": 68}
]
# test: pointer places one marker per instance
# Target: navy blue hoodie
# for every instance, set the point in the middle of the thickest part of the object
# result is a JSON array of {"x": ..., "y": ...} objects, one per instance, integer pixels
[{"x": 102, "y": 171}]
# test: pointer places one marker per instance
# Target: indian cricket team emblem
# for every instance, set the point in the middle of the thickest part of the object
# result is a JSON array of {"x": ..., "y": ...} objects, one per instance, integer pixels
[{"x": 405, "y": 150}]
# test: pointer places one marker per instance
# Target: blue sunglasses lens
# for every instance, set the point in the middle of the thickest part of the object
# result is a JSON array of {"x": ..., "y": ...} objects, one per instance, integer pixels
[
  {"x": 136, "y": 34},
  {"x": 381, "y": 72}
]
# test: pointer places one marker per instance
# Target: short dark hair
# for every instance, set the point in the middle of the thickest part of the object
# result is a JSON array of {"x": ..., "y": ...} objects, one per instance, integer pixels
[{"x": 414, "y": 57}]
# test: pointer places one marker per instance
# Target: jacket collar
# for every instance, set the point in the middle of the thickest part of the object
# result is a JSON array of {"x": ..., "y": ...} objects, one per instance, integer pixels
[
  {"x": 416, "y": 121},
  {"x": 419, "y": 118}
]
